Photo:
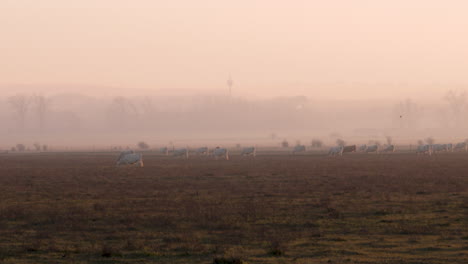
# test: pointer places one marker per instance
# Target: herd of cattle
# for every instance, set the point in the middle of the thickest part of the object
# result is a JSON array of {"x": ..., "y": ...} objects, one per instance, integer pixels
[{"x": 129, "y": 157}]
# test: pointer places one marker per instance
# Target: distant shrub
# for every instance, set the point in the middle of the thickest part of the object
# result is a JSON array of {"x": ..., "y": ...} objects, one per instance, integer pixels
[
  {"x": 45, "y": 147},
  {"x": 20, "y": 147},
  {"x": 340, "y": 142},
  {"x": 285, "y": 144},
  {"x": 429, "y": 140},
  {"x": 37, "y": 146},
  {"x": 143, "y": 145},
  {"x": 317, "y": 143}
]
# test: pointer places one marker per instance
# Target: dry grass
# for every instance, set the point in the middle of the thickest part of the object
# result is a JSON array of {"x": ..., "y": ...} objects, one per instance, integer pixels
[{"x": 78, "y": 208}]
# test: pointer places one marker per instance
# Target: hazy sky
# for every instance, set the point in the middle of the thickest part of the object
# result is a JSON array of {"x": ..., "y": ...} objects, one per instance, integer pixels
[{"x": 270, "y": 47}]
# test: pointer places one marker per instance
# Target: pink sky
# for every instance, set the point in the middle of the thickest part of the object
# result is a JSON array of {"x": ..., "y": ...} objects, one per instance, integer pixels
[{"x": 269, "y": 47}]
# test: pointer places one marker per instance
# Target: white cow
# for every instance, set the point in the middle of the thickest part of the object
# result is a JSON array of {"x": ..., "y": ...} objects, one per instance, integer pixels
[
  {"x": 181, "y": 153},
  {"x": 221, "y": 152},
  {"x": 424, "y": 149},
  {"x": 372, "y": 148},
  {"x": 449, "y": 147},
  {"x": 202, "y": 151},
  {"x": 250, "y": 151},
  {"x": 362, "y": 148},
  {"x": 124, "y": 153},
  {"x": 299, "y": 148},
  {"x": 389, "y": 148},
  {"x": 130, "y": 158},
  {"x": 461, "y": 146},
  {"x": 336, "y": 151}
]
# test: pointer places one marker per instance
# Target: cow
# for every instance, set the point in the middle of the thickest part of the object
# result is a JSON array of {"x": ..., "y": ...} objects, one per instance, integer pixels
[
  {"x": 202, "y": 151},
  {"x": 124, "y": 153},
  {"x": 249, "y": 151},
  {"x": 449, "y": 147},
  {"x": 424, "y": 149},
  {"x": 348, "y": 149},
  {"x": 181, "y": 153},
  {"x": 336, "y": 151},
  {"x": 299, "y": 148},
  {"x": 221, "y": 152},
  {"x": 442, "y": 147},
  {"x": 372, "y": 148},
  {"x": 389, "y": 148},
  {"x": 130, "y": 158},
  {"x": 362, "y": 148},
  {"x": 461, "y": 146}
]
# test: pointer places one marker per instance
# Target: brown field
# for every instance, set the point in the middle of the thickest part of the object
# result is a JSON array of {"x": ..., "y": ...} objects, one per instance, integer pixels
[{"x": 79, "y": 208}]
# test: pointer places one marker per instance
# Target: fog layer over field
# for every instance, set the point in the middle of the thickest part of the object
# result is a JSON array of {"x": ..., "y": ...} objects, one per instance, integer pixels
[{"x": 76, "y": 120}]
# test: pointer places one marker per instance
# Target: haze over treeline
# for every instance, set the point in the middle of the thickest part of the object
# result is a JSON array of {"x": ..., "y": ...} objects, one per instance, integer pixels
[
  {"x": 104, "y": 72},
  {"x": 77, "y": 120}
]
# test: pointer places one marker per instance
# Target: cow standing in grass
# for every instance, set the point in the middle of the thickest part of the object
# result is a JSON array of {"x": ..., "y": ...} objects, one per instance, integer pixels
[
  {"x": 372, "y": 148},
  {"x": 249, "y": 151},
  {"x": 336, "y": 151},
  {"x": 462, "y": 146},
  {"x": 388, "y": 148},
  {"x": 424, "y": 150},
  {"x": 298, "y": 148},
  {"x": 202, "y": 151},
  {"x": 129, "y": 157},
  {"x": 181, "y": 153},
  {"x": 221, "y": 153},
  {"x": 349, "y": 149}
]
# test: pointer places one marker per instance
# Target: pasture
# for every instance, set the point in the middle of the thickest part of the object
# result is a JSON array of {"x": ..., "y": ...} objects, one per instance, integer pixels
[{"x": 278, "y": 208}]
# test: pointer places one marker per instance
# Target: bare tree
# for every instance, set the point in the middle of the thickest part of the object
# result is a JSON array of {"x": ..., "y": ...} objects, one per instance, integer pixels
[
  {"x": 37, "y": 146},
  {"x": 429, "y": 140},
  {"x": 20, "y": 147},
  {"x": 20, "y": 104},
  {"x": 317, "y": 143},
  {"x": 41, "y": 106},
  {"x": 340, "y": 142},
  {"x": 143, "y": 145},
  {"x": 457, "y": 102},
  {"x": 389, "y": 140}
]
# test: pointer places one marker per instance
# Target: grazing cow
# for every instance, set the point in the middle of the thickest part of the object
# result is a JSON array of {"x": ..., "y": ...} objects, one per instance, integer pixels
[
  {"x": 424, "y": 149},
  {"x": 202, "y": 151},
  {"x": 372, "y": 148},
  {"x": 299, "y": 148},
  {"x": 164, "y": 151},
  {"x": 124, "y": 153},
  {"x": 181, "y": 153},
  {"x": 442, "y": 147},
  {"x": 461, "y": 146},
  {"x": 449, "y": 147},
  {"x": 389, "y": 148},
  {"x": 336, "y": 151},
  {"x": 362, "y": 148},
  {"x": 130, "y": 159},
  {"x": 250, "y": 151},
  {"x": 221, "y": 152},
  {"x": 348, "y": 149},
  {"x": 438, "y": 148}
]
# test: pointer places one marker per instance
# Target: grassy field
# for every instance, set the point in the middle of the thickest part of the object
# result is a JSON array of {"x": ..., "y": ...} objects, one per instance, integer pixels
[{"x": 79, "y": 208}]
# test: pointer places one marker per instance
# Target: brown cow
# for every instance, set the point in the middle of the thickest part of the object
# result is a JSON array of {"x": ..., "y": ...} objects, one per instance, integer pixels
[{"x": 351, "y": 148}]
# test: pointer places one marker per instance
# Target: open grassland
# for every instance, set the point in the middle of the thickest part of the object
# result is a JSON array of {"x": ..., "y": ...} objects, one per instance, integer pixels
[{"x": 79, "y": 208}]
